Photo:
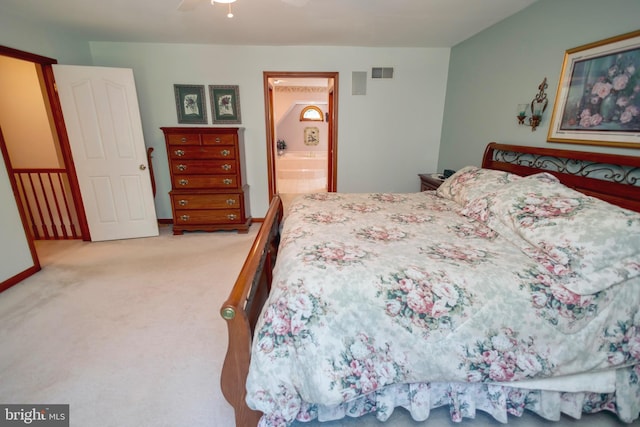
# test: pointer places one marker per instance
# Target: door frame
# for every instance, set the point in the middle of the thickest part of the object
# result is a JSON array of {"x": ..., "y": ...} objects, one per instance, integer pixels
[
  {"x": 45, "y": 65},
  {"x": 332, "y": 114}
]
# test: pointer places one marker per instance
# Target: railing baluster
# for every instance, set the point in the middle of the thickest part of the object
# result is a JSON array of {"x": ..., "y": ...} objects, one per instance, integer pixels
[
  {"x": 58, "y": 227},
  {"x": 46, "y": 199},
  {"x": 57, "y": 195},
  {"x": 25, "y": 200},
  {"x": 70, "y": 216},
  {"x": 47, "y": 205},
  {"x": 36, "y": 197}
]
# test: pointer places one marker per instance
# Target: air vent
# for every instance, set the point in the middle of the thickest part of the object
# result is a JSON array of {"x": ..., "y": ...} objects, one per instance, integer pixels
[{"x": 382, "y": 73}]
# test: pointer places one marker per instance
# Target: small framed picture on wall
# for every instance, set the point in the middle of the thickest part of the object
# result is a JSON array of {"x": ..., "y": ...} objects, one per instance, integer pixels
[
  {"x": 311, "y": 136},
  {"x": 190, "y": 103},
  {"x": 225, "y": 104}
]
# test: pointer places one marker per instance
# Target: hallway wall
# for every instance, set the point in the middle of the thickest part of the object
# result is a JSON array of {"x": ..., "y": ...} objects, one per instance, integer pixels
[{"x": 23, "y": 117}]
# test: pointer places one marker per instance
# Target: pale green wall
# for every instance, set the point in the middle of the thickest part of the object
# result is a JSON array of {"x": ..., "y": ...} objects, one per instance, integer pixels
[
  {"x": 15, "y": 255},
  {"x": 19, "y": 33},
  {"x": 502, "y": 66},
  {"x": 385, "y": 138}
]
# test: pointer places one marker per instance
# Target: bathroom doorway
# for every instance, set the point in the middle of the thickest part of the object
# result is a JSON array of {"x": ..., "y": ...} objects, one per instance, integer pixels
[{"x": 301, "y": 116}]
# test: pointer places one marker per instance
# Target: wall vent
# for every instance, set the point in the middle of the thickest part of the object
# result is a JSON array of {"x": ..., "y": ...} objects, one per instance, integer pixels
[{"x": 382, "y": 73}]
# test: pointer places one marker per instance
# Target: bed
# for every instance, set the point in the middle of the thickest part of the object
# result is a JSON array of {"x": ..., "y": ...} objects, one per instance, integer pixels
[{"x": 515, "y": 286}]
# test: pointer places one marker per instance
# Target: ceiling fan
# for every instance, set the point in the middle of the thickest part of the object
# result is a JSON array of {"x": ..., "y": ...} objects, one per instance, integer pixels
[{"x": 186, "y": 5}]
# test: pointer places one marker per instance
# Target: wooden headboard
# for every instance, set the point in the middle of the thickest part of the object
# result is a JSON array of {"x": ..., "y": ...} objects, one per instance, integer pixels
[{"x": 609, "y": 177}]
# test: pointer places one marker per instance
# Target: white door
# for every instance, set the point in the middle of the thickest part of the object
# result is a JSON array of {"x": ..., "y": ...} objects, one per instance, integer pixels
[{"x": 101, "y": 114}]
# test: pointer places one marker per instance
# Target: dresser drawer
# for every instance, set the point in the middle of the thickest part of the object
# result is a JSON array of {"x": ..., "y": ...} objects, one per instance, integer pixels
[
  {"x": 215, "y": 167},
  {"x": 205, "y": 201},
  {"x": 203, "y": 216},
  {"x": 222, "y": 139},
  {"x": 202, "y": 152},
  {"x": 181, "y": 182},
  {"x": 183, "y": 139}
]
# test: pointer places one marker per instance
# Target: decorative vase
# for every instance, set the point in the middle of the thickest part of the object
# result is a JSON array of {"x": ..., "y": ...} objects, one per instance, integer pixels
[{"x": 608, "y": 107}]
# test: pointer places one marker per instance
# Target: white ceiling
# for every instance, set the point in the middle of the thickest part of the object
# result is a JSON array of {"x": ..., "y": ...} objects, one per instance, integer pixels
[{"x": 375, "y": 23}]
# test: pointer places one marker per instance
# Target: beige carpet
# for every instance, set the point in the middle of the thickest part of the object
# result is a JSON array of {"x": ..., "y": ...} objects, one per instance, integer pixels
[{"x": 128, "y": 333}]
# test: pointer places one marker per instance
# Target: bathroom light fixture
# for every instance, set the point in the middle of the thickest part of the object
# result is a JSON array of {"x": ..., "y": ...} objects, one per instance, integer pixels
[
  {"x": 536, "y": 107},
  {"x": 230, "y": 14}
]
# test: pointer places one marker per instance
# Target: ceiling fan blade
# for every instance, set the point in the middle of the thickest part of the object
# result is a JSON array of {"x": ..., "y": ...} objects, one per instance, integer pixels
[
  {"x": 297, "y": 3},
  {"x": 186, "y": 5}
]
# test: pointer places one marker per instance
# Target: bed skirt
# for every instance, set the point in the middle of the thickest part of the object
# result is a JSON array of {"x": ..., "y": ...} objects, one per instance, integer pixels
[{"x": 499, "y": 401}]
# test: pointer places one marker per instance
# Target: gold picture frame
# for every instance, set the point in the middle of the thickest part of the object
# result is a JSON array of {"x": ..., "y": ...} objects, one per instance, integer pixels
[
  {"x": 311, "y": 136},
  {"x": 598, "y": 96}
]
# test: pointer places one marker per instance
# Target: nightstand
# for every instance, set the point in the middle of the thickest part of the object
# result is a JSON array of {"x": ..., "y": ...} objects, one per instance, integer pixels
[{"x": 430, "y": 181}]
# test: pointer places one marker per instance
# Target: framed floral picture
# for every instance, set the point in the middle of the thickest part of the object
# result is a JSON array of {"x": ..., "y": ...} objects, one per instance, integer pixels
[
  {"x": 190, "y": 103},
  {"x": 598, "y": 97},
  {"x": 225, "y": 104},
  {"x": 311, "y": 136}
]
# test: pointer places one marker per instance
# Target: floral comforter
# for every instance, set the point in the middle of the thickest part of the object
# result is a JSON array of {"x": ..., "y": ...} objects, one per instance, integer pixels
[{"x": 386, "y": 300}]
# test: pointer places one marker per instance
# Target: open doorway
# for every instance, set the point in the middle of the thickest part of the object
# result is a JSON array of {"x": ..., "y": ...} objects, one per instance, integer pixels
[
  {"x": 100, "y": 191},
  {"x": 36, "y": 148},
  {"x": 36, "y": 155},
  {"x": 301, "y": 119}
]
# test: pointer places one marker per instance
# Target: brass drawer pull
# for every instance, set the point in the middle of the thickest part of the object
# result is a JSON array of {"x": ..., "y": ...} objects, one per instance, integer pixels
[
  {"x": 218, "y": 139},
  {"x": 183, "y": 139},
  {"x": 183, "y": 202},
  {"x": 182, "y": 167},
  {"x": 179, "y": 153},
  {"x": 226, "y": 166},
  {"x": 225, "y": 152},
  {"x": 227, "y": 181},
  {"x": 232, "y": 216},
  {"x": 183, "y": 182},
  {"x": 184, "y": 217},
  {"x": 231, "y": 202}
]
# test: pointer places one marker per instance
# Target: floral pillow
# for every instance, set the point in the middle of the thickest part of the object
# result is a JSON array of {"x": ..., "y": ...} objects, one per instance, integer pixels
[
  {"x": 472, "y": 182},
  {"x": 481, "y": 209},
  {"x": 590, "y": 243}
]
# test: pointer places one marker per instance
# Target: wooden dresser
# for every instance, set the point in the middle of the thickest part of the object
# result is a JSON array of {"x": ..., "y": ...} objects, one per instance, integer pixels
[{"x": 208, "y": 190}]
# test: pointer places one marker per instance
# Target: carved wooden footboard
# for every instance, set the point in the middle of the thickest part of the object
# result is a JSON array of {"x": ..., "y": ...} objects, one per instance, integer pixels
[{"x": 242, "y": 309}]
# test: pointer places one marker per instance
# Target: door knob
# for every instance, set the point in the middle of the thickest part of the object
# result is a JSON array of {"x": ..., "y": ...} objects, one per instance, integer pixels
[{"x": 142, "y": 167}]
